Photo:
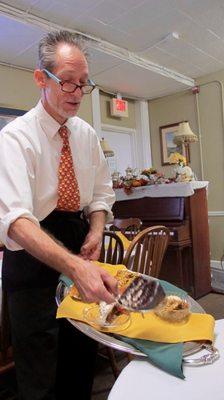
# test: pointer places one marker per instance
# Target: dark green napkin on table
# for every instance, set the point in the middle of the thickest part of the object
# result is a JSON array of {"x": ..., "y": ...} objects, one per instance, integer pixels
[
  {"x": 167, "y": 356},
  {"x": 164, "y": 355}
]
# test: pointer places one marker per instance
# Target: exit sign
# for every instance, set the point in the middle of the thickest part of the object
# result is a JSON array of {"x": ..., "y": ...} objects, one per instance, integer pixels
[{"x": 119, "y": 108}]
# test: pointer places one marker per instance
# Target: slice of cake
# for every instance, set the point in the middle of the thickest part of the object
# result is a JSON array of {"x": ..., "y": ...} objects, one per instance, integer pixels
[{"x": 109, "y": 312}]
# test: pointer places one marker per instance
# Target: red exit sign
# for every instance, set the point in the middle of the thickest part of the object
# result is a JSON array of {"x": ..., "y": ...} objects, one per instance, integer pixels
[{"x": 119, "y": 107}]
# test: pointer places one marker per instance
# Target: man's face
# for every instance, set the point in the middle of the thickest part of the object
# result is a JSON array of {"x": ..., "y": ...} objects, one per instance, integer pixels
[{"x": 71, "y": 65}]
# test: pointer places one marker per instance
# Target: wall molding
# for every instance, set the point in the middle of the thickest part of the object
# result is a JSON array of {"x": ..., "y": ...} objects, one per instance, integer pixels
[
  {"x": 217, "y": 275},
  {"x": 216, "y": 264},
  {"x": 216, "y": 213}
]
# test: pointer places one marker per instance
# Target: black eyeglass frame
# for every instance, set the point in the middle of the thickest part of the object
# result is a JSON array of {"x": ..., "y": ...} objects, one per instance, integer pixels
[{"x": 60, "y": 82}]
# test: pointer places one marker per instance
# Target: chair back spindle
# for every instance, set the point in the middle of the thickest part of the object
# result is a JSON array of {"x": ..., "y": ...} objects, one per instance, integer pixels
[{"x": 112, "y": 250}]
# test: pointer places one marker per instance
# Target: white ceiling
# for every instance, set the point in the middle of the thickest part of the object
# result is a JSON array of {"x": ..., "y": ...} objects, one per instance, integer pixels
[{"x": 139, "y": 48}]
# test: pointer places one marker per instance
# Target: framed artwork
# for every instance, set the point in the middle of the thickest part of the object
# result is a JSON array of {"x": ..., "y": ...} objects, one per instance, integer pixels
[
  {"x": 8, "y": 114},
  {"x": 167, "y": 144}
]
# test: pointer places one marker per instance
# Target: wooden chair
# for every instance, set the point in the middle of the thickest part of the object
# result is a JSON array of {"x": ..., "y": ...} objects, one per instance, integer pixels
[
  {"x": 146, "y": 251},
  {"x": 6, "y": 356},
  {"x": 128, "y": 226},
  {"x": 112, "y": 250}
]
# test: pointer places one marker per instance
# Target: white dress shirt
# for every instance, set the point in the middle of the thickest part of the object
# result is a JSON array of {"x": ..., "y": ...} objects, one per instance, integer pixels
[{"x": 29, "y": 160}]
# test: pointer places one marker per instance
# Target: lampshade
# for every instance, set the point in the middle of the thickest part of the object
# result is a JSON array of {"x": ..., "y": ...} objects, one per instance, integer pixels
[
  {"x": 184, "y": 134},
  {"x": 106, "y": 148}
]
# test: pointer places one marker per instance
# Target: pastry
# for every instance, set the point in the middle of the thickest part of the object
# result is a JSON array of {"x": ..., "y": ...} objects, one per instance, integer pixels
[
  {"x": 124, "y": 278},
  {"x": 173, "y": 309}
]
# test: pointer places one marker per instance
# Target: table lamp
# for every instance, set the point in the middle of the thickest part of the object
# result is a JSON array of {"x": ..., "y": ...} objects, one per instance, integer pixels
[
  {"x": 106, "y": 148},
  {"x": 185, "y": 136}
]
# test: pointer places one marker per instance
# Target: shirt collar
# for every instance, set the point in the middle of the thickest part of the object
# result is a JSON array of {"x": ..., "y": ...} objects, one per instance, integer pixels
[{"x": 49, "y": 125}]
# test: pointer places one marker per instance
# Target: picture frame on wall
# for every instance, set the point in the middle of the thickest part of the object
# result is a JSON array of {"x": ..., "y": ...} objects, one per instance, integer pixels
[
  {"x": 8, "y": 114},
  {"x": 167, "y": 143}
]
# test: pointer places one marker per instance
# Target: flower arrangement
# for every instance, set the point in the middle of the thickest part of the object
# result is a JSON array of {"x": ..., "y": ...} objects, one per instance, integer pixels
[
  {"x": 183, "y": 173},
  {"x": 177, "y": 158}
]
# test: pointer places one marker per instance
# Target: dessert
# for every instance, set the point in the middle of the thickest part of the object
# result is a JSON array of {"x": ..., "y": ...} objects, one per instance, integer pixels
[
  {"x": 173, "y": 309},
  {"x": 109, "y": 312},
  {"x": 124, "y": 278}
]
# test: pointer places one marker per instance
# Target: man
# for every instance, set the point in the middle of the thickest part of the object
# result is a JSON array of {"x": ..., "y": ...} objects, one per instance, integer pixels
[{"x": 53, "y": 176}]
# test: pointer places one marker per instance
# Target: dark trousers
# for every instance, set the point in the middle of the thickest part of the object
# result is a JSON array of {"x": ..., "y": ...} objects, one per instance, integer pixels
[{"x": 53, "y": 359}]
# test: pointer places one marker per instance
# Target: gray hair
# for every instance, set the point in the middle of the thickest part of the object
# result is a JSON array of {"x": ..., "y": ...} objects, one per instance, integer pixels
[{"x": 49, "y": 43}]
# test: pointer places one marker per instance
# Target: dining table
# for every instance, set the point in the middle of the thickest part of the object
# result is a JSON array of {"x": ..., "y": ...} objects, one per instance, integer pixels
[{"x": 142, "y": 380}]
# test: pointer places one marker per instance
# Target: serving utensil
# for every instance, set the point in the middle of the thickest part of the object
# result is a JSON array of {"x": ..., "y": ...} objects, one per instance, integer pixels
[{"x": 142, "y": 294}]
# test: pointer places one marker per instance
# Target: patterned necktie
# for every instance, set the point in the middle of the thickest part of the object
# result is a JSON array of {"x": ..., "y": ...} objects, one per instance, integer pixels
[{"x": 68, "y": 189}]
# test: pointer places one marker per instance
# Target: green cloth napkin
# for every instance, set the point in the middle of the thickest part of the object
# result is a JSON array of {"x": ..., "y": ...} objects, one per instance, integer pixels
[
  {"x": 166, "y": 356},
  {"x": 67, "y": 281}
]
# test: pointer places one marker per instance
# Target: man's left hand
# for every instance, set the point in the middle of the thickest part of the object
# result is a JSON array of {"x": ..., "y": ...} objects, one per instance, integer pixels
[{"x": 90, "y": 249}]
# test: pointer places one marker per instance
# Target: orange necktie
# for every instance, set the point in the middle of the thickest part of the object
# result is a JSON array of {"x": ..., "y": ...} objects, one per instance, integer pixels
[{"x": 68, "y": 189}]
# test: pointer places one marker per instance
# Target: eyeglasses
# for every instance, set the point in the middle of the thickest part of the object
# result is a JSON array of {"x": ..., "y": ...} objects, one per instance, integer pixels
[{"x": 70, "y": 87}]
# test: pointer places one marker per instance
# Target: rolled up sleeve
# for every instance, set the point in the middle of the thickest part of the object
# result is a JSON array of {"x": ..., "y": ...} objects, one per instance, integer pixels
[
  {"x": 16, "y": 198},
  {"x": 7, "y": 220}
]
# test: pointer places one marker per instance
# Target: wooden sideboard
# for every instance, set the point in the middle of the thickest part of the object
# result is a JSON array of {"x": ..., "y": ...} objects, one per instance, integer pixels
[{"x": 187, "y": 260}]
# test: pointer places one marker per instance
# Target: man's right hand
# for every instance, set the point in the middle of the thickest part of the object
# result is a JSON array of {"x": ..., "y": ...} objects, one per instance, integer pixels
[{"x": 93, "y": 282}]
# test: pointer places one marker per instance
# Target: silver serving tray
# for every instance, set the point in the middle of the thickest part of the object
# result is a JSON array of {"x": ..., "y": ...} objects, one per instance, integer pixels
[{"x": 109, "y": 340}]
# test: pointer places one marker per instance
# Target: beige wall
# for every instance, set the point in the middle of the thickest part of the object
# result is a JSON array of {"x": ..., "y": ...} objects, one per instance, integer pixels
[
  {"x": 85, "y": 111},
  {"x": 208, "y": 116},
  {"x": 18, "y": 90},
  {"x": 216, "y": 227},
  {"x": 169, "y": 110},
  {"x": 212, "y": 133},
  {"x": 106, "y": 118}
]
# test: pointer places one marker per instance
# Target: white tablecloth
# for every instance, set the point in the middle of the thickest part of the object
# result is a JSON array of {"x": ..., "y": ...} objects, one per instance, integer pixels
[
  {"x": 140, "y": 380},
  {"x": 182, "y": 189}
]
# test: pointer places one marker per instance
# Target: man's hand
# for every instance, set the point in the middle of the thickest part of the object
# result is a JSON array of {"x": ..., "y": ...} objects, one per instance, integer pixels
[
  {"x": 94, "y": 283},
  {"x": 91, "y": 247}
]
